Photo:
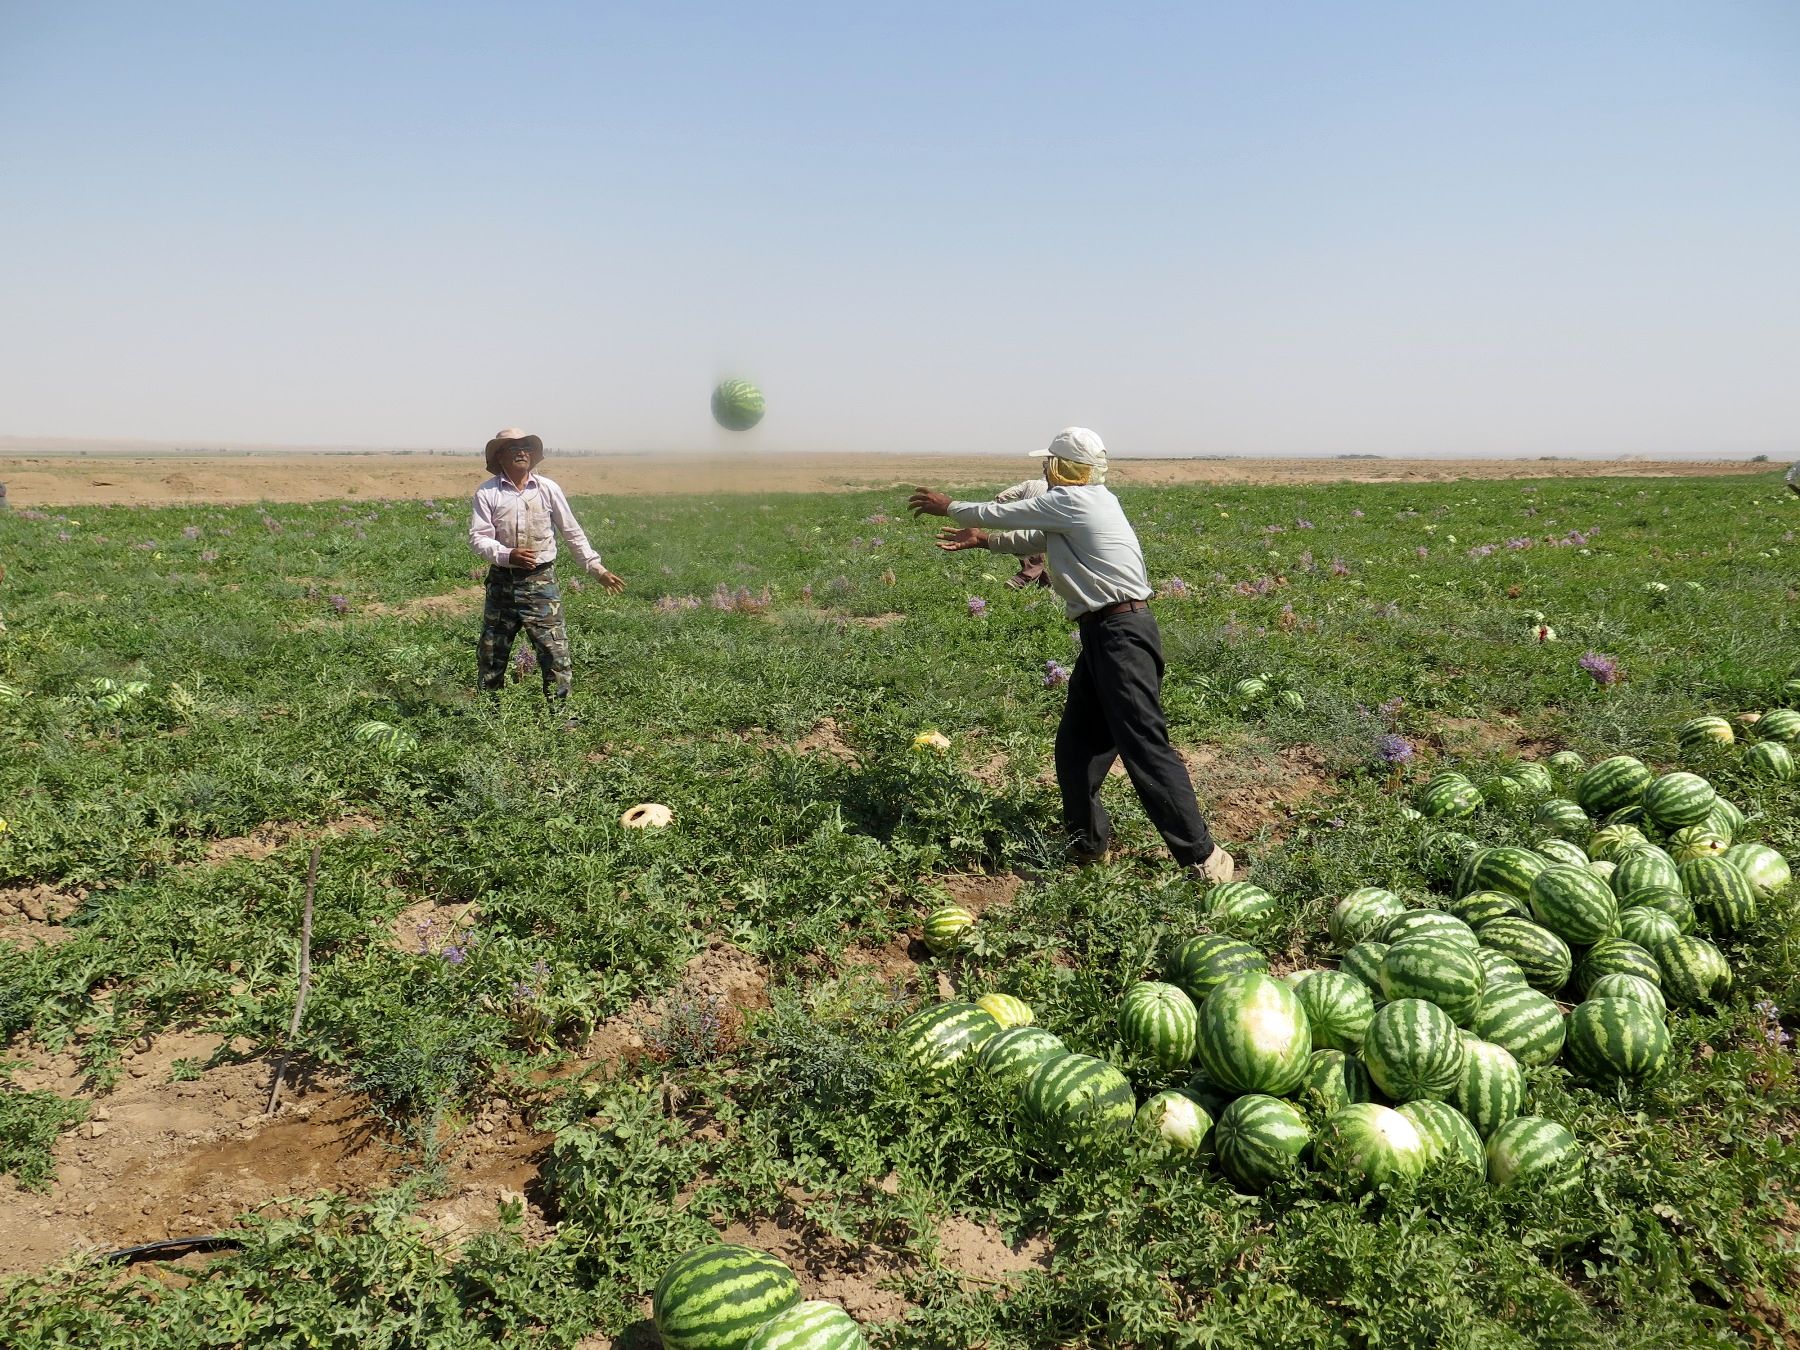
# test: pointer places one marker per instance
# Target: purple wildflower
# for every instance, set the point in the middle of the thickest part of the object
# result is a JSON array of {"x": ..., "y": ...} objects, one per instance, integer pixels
[
  {"x": 1393, "y": 749},
  {"x": 1481, "y": 550},
  {"x": 1356, "y": 515},
  {"x": 209, "y": 555},
  {"x": 1773, "y": 1033},
  {"x": 1303, "y": 525},
  {"x": 454, "y": 955},
  {"x": 1055, "y": 673},
  {"x": 190, "y": 532},
  {"x": 1421, "y": 552},
  {"x": 524, "y": 662},
  {"x": 977, "y": 606},
  {"x": 1175, "y": 589},
  {"x": 1604, "y": 669},
  {"x": 1339, "y": 568},
  {"x": 339, "y": 605}
]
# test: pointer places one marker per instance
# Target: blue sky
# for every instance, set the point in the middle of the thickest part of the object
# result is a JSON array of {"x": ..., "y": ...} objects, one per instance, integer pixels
[{"x": 1201, "y": 229}]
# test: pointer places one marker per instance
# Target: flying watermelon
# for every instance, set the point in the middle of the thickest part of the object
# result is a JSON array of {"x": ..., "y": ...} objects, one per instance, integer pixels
[{"x": 737, "y": 405}]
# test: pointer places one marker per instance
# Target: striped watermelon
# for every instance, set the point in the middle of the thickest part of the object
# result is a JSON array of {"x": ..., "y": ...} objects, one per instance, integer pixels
[
  {"x": 1448, "y": 796},
  {"x": 1780, "y": 724},
  {"x": 1176, "y": 1119},
  {"x": 1696, "y": 841},
  {"x": 1208, "y": 1093},
  {"x": 1202, "y": 963},
  {"x": 1508, "y": 869},
  {"x": 1771, "y": 761},
  {"x": 947, "y": 926},
  {"x": 1542, "y": 955},
  {"x": 1646, "y": 926},
  {"x": 814, "y": 1325},
  {"x": 1612, "y": 842},
  {"x": 1616, "y": 956},
  {"x": 1429, "y": 923},
  {"x": 1527, "y": 1024},
  {"x": 1436, "y": 970},
  {"x": 1643, "y": 868},
  {"x": 1241, "y": 906},
  {"x": 716, "y": 1297},
  {"x": 1365, "y": 1145},
  {"x": 1625, "y": 815},
  {"x": 1566, "y": 764},
  {"x": 1722, "y": 895},
  {"x": 1574, "y": 904},
  {"x": 1334, "y": 1079},
  {"x": 1791, "y": 690},
  {"x": 1076, "y": 1101},
  {"x": 935, "y": 1040},
  {"x": 1492, "y": 1089},
  {"x": 737, "y": 405},
  {"x": 1010, "y": 1057},
  {"x": 1338, "y": 1008},
  {"x": 1448, "y": 1136},
  {"x": 1412, "y": 1049},
  {"x": 1498, "y": 969},
  {"x": 1633, "y": 987},
  {"x": 1694, "y": 971},
  {"x": 1705, "y": 734},
  {"x": 1364, "y": 962},
  {"x": 1678, "y": 799},
  {"x": 1503, "y": 791},
  {"x": 1532, "y": 1151},
  {"x": 1534, "y": 778},
  {"x": 1766, "y": 870},
  {"x": 1477, "y": 907},
  {"x": 1617, "y": 1038},
  {"x": 1254, "y": 1036},
  {"x": 1006, "y": 1010},
  {"x": 1362, "y": 914},
  {"x": 1725, "y": 820},
  {"x": 1563, "y": 851},
  {"x": 1260, "y": 1139},
  {"x": 1160, "y": 1021},
  {"x": 1442, "y": 854},
  {"x": 1664, "y": 900},
  {"x": 1612, "y": 783},
  {"x": 1560, "y": 818}
]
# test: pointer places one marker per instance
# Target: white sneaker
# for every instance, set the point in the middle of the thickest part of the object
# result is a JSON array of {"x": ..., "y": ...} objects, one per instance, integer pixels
[{"x": 1218, "y": 867}]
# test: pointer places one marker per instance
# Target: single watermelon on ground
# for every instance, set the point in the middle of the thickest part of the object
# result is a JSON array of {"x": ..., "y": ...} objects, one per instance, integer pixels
[
  {"x": 1364, "y": 1146},
  {"x": 1532, "y": 1151},
  {"x": 1412, "y": 1050},
  {"x": 1767, "y": 871},
  {"x": 1075, "y": 1102},
  {"x": 1448, "y": 796},
  {"x": 1633, "y": 987},
  {"x": 1200, "y": 964},
  {"x": 814, "y": 1325},
  {"x": 1160, "y": 1021},
  {"x": 1542, "y": 955},
  {"x": 1428, "y": 923},
  {"x": 1362, "y": 914},
  {"x": 1705, "y": 735},
  {"x": 1437, "y": 970},
  {"x": 1616, "y": 956},
  {"x": 1007, "y": 1010},
  {"x": 1260, "y": 1139},
  {"x": 1177, "y": 1120},
  {"x": 1722, "y": 895},
  {"x": 1363, "y": 961},
  {"x": 1612, "y": 783},
  {"x": 1254, "y": 1035},
  {"x": 1566, "y": 764},
  {"x": 1477, "y": 907},
  {"x": 716, "y": 1297},
  {"x": 1664, "y": 900},
  {"x": 1562, "y": 851},
  {"x": 1617, "y": 1038},
  {"x": 1241, "y": 906},
  {"x": 1647, "y": 926},
  {"x": 935, "y": 1040},
  {"x": 947, "y": 927},
  {"x": 1492, "y": 1089},
  {"x": 1643, "y": 868},
  {"x": 1506, "y": 868},
  {"x": 1448, "y": 1136},
  {"x": 1560, "y": 818},
  {"x": 1526, "y": 1023},
  {"x": 1338, "y": 1008},
  {"x": 1694, "y": 971},
  {"x": 1010, "y": 1057},
  {"x": 1676, "y": 800}
]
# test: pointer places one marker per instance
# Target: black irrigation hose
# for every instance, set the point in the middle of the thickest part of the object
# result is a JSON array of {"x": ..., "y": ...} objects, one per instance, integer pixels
[{"x": 210, "y": 1242}]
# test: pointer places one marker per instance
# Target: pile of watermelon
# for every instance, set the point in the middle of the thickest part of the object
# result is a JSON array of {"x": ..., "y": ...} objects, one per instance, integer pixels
[
  {"x": 1568, "y": 947},
  {"x": 730, "y": 1297},
  {"x": 1769, "y": 756}
]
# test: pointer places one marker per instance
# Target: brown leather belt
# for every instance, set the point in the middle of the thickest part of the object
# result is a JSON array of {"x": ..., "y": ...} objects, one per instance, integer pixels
[{"x": 1107, "y": 611}]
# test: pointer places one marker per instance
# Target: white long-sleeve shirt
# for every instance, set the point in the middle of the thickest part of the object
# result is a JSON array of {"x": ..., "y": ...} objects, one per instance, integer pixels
[
  {"x": 1093, "y": 555},
  {"x": 506, "y": 517}
]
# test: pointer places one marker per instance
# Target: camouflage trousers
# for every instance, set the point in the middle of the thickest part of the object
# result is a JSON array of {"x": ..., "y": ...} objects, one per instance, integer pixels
[{"x": 532, "y": 601}]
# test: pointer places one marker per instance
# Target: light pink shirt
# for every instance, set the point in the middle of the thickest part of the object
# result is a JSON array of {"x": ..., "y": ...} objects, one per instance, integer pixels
[{"x": 506, "y": 518}]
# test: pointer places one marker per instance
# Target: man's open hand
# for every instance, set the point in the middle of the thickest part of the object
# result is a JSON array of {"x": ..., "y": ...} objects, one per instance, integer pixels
[
  {"x": 925, "y": 502},
  {"x": 953, "y": 539},
  {"x": 613, "y": 582}
]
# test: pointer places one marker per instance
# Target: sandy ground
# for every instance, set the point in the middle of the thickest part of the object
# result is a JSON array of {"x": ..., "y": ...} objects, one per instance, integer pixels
[{"x": 236, "y": 479}]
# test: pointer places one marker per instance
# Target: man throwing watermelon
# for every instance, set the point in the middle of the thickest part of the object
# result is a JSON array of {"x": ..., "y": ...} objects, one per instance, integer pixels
[
  {"x": 518, "y": 514},
  {"x": 1114, "y": 709}
]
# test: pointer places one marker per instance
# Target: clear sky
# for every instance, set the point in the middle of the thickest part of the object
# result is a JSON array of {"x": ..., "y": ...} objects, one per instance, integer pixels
[{"x": 1250, "y": 228}]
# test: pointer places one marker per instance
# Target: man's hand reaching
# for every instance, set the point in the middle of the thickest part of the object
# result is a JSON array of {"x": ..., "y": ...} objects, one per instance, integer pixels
[
  {"x": 925, "y": 502},
  {"x": 953, "y": 539}
]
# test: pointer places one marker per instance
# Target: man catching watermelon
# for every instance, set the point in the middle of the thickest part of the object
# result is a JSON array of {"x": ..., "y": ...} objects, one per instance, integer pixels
[
  {"x": 1114, "y": 709},
  {"x": 517, "y": 515}
]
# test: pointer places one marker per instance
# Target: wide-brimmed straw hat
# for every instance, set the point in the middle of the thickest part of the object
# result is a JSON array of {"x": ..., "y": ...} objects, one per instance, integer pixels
[{"x": 509, "y": 437}]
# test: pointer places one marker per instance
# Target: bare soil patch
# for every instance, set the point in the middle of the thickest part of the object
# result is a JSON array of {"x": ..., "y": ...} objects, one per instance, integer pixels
[
  {"x": 725, "y": 981},
  {"x": 36, "y": 478},
  {"x": 274, "y": 835},
  {"x": 1478, "y": 736},
  {"x": 1245, "y": 793},
  {"x": 826, "y": 738},
  {"x": 449, "y": 604},
  {"x": 31, "y": 916}
]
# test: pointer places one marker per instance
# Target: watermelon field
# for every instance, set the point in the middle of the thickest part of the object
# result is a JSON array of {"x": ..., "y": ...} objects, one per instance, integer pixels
[{"x": 1490, "y": 1045}]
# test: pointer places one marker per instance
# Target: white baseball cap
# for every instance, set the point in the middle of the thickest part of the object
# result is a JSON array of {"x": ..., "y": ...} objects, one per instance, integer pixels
[{"x": 1078, "y": 445}]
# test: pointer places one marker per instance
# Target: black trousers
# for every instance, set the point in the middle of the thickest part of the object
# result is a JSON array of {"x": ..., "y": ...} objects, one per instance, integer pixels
[{"x": 1115, "y": 712}]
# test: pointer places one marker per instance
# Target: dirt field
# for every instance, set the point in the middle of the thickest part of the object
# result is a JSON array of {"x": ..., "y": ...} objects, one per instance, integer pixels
[{"x": 235, "y": 479}]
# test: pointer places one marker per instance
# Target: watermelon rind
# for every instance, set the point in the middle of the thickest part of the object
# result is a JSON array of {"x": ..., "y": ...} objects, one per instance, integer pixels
[
  {"x": 1075, "y": 1102},
  {"x": 1722, "y": 895},
  {"x": 1201, "y": 964},
  {"x": 1634, "y": 987},
  {"x": 1677, "y": 800},
  {"x": 1542, "y": 955},
  {"x": 1617, "y": 1038},
  {"x": 1006, "y": 1009},
  {"x": 1611, "y": 783},
  {"x": 1449, "y": 1138},
  {"x": 813, "y": 1325},
  {"x": 1160, "y": 1021},
  {"x": 1530, "y": 1150},
  {"x": 1767, "y": 871},
  {"x": 1010, "y": 1057},
  {"x": 1437, "y": 970},
  {"x": 1428, "y": 923},
  {"x": 1362, "y": 914},
  {"x": 1176, "y": 1120},
  {"x": 1259, "y": 1140},
  {"x": 1338, "y": 1008},
  {"x": 1491, "y": 1090},
  {"x": 1525, "y": 1023},
  {"x": 1254, "y": 1035},
  {"x": 1366, "y": 1146},
  {"x": 1413, "y": 1049},
  {"x": 946, "y": 928},
  {"x": 935, "y": 1040}
]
